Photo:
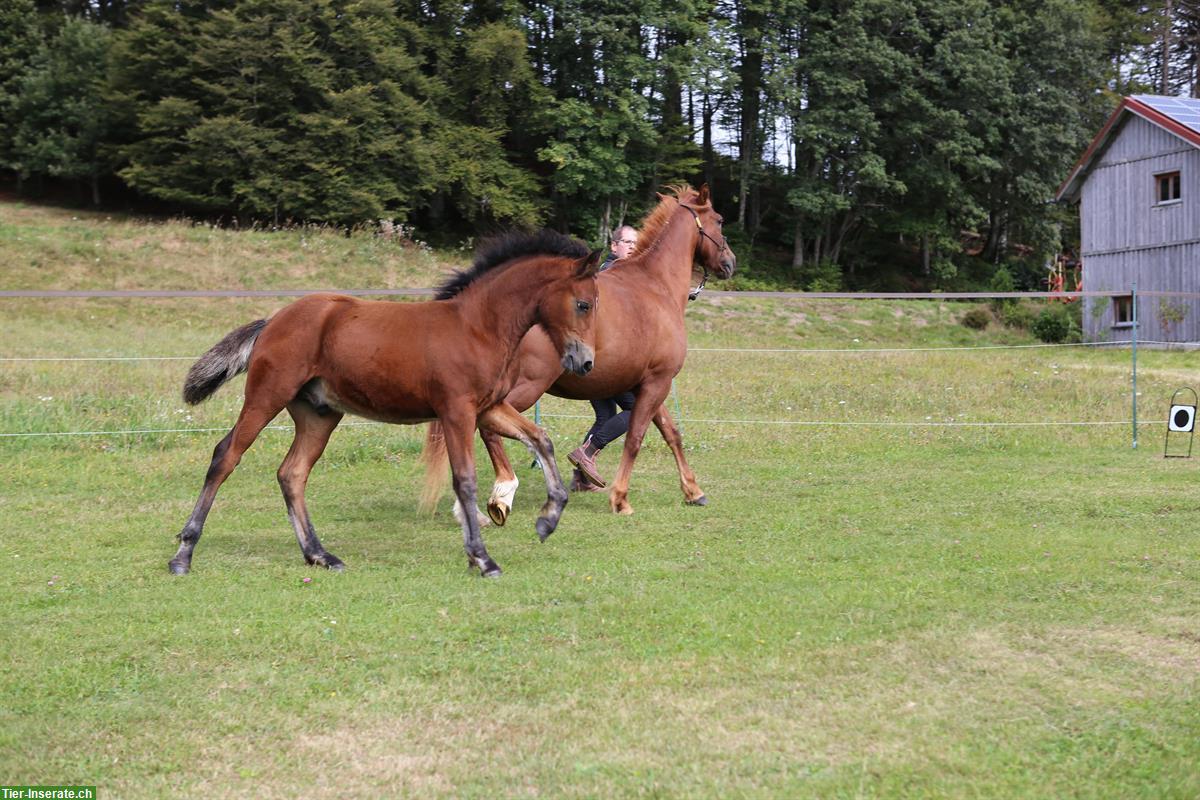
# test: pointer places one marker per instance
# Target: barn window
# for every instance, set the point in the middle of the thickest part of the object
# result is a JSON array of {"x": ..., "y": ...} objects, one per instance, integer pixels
[
  {"x": 1123, "y": 310},
  {"x": 1166, "y": 187}
]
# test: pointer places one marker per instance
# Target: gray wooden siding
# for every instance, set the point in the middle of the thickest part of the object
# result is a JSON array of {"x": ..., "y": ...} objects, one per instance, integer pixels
[
  {"x": 1118, "y": 204},
  {"x": 1137, "y": 139},
  {"x": 1128, "y": 237},
  {"x": 1167, "y": 269}
]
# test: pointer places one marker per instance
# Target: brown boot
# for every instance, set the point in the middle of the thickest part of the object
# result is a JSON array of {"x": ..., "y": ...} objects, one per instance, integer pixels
[
  {"x": 582, "y": 484},
  {"x": 584, "y": 459}
]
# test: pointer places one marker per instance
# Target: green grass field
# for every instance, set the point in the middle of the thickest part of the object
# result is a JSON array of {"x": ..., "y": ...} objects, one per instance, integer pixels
[{"x": 862, "y": 611}]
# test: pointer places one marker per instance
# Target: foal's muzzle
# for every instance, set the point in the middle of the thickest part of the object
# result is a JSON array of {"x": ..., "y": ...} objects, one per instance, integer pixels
[{"x": 578, "y": 357}]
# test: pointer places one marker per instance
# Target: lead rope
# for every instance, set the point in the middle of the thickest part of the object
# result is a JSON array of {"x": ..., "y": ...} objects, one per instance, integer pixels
[{"x": 694, "y": 293}]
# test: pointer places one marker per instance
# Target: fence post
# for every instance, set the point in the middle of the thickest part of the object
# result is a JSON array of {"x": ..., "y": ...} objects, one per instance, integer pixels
[
  {"x": 678, "y": 410},
  {"x": 1133, "y": 350}
]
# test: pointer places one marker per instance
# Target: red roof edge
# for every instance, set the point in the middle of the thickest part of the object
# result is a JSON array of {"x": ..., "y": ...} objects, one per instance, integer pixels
[
  {"x": 1069, "y": 187},
  {"x": 1085, "y": 160}
]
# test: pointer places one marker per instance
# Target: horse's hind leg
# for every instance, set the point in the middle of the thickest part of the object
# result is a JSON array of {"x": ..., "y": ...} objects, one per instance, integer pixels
[
  {"x": 692, "y": 494},
  {"x": 504, "y": 490},
  {"x": 226, "y": 456},
  {"x": 312, "y": 434},
  {"x": 504, "y": 420}
]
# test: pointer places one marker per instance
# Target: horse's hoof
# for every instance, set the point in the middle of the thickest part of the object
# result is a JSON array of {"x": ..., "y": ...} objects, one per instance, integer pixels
[
  {"x": 498, "y": 513},
  {"x": 327, "y": 560},
  {"x": 487, "y": 568},
  {"x": 702, "y": 500},
  {"x": 624, "y": 509},
  {"x": 544, "y": 528},
  {"x": 178, "y": 568}
]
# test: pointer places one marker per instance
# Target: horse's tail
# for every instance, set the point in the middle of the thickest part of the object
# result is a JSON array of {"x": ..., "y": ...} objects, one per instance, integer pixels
[
  {"x": 434, "y": 457},
  {"x": 225, "y": 360}
]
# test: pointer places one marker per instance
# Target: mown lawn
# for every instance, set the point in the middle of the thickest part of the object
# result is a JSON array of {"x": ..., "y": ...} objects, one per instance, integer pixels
[{"x": 862, "y": 611}]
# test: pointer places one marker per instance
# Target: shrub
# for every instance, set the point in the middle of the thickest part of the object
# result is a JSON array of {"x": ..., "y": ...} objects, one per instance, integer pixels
[
  {"x": 1052, "y": 326},
  {"x": 977, "y": 318},
  {"x": 825, "y": 276},
  {"x": 1002, "y": 281},
  {"x": 1018, "y": 316}
]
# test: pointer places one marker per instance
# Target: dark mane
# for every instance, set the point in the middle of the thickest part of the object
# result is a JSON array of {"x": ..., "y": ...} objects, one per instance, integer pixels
[{"x": 501, "y": 249}]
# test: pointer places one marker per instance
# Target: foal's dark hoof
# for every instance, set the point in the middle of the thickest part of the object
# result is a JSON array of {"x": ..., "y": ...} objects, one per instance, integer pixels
[
  {"x": 178, "y": 567},
  {"x": 487, "y": 568},
  {"x": 702, "y": 500},
  {"x": 544, "y": 528},
  {"x": 327, "y": 560}
]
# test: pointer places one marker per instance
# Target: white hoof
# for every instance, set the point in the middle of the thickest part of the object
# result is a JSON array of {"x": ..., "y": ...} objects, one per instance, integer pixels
[
  {"x": 480, "y": 518},
  {"x": 504, "y": 493}
]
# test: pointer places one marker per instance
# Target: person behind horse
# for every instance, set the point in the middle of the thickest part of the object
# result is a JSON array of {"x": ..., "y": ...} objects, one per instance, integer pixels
[{"x": 610, "y": 424}]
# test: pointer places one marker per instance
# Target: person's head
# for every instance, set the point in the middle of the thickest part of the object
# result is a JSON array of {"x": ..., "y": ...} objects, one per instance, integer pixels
[{"x": 624, "y": 239}]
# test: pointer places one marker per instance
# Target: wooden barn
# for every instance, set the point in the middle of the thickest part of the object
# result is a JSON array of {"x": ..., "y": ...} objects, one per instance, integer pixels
[{"x": 1138, "y": 190}]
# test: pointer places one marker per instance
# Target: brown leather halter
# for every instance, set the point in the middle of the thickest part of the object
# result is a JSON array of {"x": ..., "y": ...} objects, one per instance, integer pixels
[{"x": 721, "y": 247}]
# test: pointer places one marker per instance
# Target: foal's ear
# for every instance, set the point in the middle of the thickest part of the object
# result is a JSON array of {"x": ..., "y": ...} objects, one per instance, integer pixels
[
  {"x": 590, "y": 264},
  {"x": 703, "y": 197}
]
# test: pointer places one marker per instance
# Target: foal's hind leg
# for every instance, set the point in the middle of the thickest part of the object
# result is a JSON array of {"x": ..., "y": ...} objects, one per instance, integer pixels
[
  {"x": 312, "y": 434},
  {"x": 692, "y": 494},
  {"x": 228, "y": 453},
  {"x": 504, "y": 420}
]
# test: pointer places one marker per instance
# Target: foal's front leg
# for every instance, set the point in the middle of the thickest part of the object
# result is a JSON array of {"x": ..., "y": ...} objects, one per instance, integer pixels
[
  {"x": 460, "y": 447},
  {"x": 506, "y": 421}
]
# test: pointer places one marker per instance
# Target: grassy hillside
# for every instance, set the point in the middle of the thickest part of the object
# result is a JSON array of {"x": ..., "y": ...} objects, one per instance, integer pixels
[
  {"x": 48, "y": 248},
  {"x": 918, "y": 609}
]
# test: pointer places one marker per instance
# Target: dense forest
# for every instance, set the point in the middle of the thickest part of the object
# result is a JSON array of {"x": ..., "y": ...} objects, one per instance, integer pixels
[{"x": 850, "y": 143}]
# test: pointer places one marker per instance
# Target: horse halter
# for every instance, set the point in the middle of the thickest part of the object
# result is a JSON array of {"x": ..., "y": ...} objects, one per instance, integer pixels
[{"x": 694, "y": 293}]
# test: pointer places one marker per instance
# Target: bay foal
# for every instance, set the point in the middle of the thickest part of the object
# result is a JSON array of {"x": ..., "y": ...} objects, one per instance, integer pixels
[{"x": 327, "y": 355}]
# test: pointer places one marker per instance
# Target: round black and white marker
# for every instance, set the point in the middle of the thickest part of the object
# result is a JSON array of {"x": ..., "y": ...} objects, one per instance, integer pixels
[{"x": 1183, "y": 418}]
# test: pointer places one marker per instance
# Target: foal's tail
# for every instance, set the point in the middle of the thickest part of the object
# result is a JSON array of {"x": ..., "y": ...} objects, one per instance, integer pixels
[
  {"x": 225, "y": 360},
  {"x": 434, "y": 457}
]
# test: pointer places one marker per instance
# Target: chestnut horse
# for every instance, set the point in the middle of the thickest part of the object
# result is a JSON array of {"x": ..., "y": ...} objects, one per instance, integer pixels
[
  {"x": 327, "y": 355},
  {"x": 641, "y": 343}
]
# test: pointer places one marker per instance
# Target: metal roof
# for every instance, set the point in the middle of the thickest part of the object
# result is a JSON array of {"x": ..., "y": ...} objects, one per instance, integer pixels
[
  {"x": 1177, "y": 115},
  {"x": 1184, "y": 110}
]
